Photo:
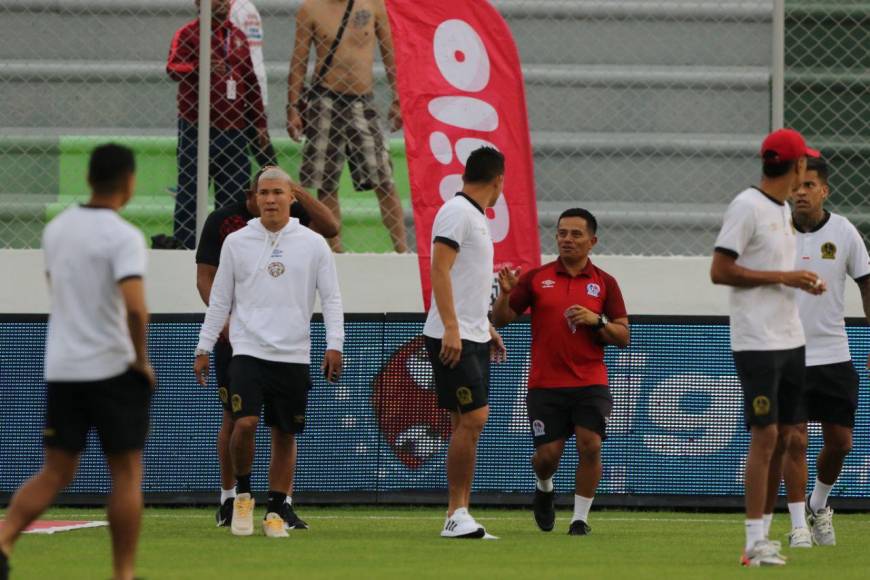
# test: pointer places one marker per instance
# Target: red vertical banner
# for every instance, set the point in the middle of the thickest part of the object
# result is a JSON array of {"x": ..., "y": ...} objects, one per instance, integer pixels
[{"x": 461, "y": 87}]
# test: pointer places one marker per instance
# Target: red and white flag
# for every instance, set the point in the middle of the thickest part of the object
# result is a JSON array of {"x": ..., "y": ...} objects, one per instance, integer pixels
[{"x": 461, "y": 87}]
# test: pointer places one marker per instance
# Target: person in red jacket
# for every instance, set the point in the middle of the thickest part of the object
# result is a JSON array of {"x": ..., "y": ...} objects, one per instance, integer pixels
[{"x": 236, "y": 104}]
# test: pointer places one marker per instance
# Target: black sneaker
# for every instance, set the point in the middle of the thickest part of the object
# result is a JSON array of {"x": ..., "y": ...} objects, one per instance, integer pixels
[
  {"x": 291, "y": 520},
  {"x": 224, "y": 515},
  {"x": 579, "y": 528},
  {"x": 4, "y": 566},
  {"x": 544, "y": 505}
]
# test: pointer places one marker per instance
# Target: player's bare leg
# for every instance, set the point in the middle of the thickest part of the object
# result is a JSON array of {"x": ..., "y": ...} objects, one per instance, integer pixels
[
  {"x": 330, "y": 200},
  {"x": 125, "y": 510},
  {"x": 545, "y": 461},
  {"x": 461, "y": 457},
  {"x": 837, "y": 445},
  {"x": 587, "y": 477},
  {"x": 37, "y": 494},
  {"x": 228, "y": 478},
  {"x": 793, "y": 441},
  {"x": 393, "y": 216}
]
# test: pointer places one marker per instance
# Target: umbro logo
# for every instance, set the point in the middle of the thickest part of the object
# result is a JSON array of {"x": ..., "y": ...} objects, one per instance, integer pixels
[{"x": 547, "y": 284}]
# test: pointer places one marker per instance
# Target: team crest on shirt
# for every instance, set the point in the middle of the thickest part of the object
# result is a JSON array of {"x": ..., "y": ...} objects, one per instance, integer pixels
[
  {"x": 593, "y": 289},
  {"x": 547, "y": 284},
  {"x": 275, "y": 269},
  {"x": 538, "y": 428},
  {"x": 829, "y": 251}
]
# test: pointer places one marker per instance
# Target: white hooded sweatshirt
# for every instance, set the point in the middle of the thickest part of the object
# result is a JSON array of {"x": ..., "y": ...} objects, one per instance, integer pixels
[{"x": 267, "y": 281}]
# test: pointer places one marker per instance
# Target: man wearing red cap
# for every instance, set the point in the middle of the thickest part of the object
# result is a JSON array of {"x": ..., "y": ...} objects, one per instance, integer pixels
[{"x": 755, "y": 255}]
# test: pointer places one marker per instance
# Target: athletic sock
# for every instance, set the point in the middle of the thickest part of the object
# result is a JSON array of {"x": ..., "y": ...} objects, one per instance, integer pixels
[
  {"x": 581, "y": 508},
  {"x": 275, "y": 501},
  {"x": 797, "y": 511},
  {"x": 243, "y": 483},
  {"x": 227, "y": 494},
  {"x": 754, "y": 532},
  {"x": 767, "y": 519},
  {"x": 545, "y": 485},
  {"x": 289, "y": 500},
  {"x": 819, "y": 497}
]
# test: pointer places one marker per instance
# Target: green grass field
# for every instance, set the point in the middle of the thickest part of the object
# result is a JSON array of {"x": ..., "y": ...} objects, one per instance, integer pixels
[{"x": 404, "y": 543}]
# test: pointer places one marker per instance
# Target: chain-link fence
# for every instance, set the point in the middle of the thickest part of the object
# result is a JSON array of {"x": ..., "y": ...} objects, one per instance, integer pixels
[{"x": 647, "y": 112}]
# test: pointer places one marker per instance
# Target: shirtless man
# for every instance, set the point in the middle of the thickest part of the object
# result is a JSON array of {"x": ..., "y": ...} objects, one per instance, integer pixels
[{"x": 339, "y": 119}]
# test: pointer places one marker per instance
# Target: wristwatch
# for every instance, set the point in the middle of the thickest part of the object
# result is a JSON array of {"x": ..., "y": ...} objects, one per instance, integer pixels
[
  {"x": 201, "y": 352},
  {"x": 602, "y": 321}
]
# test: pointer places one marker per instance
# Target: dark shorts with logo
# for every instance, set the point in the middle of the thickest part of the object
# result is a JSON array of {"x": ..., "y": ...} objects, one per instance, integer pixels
[
  {"x": 832, "y": 393},
  {"x": 465, "y": 387},
  {"x": 554, "y": 413},
  {"x": 118, "y": 408},
  {"x": 223, "y": 354},
  {"x": 279, "y": 389},
  {"x": 773, "y": 386}
]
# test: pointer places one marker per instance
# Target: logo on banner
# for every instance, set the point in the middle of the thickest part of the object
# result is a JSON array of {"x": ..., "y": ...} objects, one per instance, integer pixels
[{"x": 593, "y": 289}]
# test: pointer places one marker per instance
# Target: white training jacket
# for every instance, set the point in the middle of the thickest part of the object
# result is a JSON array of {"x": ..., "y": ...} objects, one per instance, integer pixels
[{"x": 266, "y": 283}]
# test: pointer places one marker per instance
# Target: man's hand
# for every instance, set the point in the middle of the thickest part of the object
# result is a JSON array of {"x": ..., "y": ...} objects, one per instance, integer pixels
[
  {"x": 294, "y": 124},
  {"x": 200, "y": 369},
  {"x": 577, "y": 315},
  {"x": 507, "y": 279},
  {"x": 147, "y": 370},
  {"x": 331, "y": 366},
  {"x": 395, "y": 115},
  {"x": 497, "y": 350},
  {"x": 451, "y": 347},
  {"x": 263, "y": 137},
  {"x": 806, "y": 281}
]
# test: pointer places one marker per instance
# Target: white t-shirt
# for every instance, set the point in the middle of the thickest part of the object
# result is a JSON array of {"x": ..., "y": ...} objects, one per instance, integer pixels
[
  {"x": 833, "y": 250},
  {"x": 461, "y": 223},
  {"x": 758, "y": 230},
  {"x": 244, "y": 15},
  {"x": 87, "y": 252}
]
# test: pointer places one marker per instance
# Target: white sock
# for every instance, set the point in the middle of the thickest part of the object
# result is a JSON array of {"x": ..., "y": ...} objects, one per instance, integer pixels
[
  {"x": 581, "y": 508},
  {"x": 227, "y": 494},
  {"x": 819, "y": 498},
  {"x": 754, "y": 532},
  {"x": 288, "y": 500},
  {"x": 767, "y": 519},
  {"x": 545, "y": 485},
  {"x": 798, "y": 519}
]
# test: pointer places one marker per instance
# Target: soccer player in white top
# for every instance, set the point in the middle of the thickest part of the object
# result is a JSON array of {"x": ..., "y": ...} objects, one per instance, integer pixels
[
  {"x": 459, "y": 337},
  {"x": 829, "y": 244},
  {"x": 96, "y": 360},
  {"x": 266, "y": 281},
  {"x": 754, "y": 254}
]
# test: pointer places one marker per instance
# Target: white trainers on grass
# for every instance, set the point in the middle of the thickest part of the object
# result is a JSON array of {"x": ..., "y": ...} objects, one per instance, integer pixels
[
  {"x": 462, "y": 525},
  {"x": 822, "y": 524},
  {"x": 243, "y": 515},
  {"x": 800, "y": 538},
  {"x": 763, "y": 553}
]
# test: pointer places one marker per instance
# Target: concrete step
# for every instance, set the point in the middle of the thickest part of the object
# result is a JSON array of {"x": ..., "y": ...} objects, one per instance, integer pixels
[
  {"x": 566, "y": 97},
  {"x": 686, "y": 32}
]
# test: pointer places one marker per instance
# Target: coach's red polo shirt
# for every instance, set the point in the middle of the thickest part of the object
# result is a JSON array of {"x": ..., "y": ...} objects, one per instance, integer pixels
[{"x": 561, "y": 358}]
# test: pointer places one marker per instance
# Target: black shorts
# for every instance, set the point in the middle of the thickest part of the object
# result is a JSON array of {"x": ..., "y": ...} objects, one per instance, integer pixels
[
  {"x": 223, "y": 354},
  {"x": 554, "y": 413},
  {"x": 773, "y": 386},
  {"x": 464, "y": 388},
  {"x": 279, "y": 389},
  {"x": 118, "y": 408},
  {"x": 832, "y": 393}
]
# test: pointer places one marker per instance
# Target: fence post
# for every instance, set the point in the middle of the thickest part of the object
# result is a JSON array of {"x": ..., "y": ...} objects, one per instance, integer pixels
[
  {"x": 204, "y": 119},
  {"x": 777, "y": 67}
]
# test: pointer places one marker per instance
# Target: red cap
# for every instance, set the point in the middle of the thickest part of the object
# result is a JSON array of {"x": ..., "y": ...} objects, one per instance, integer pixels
[{"x": 785, "y": 145}]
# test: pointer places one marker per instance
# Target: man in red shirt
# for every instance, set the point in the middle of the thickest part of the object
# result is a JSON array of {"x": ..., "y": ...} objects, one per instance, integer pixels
[
  {"x": 577, "y": 309},
  {"x": 236, "y": 105}
]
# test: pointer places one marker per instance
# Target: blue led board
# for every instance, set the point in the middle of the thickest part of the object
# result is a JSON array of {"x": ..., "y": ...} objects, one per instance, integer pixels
[{"x": 677, "y": 427}]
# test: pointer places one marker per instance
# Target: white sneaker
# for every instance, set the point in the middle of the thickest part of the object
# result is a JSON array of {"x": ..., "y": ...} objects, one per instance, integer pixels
[
  {"x": 462, "y": 525},
  {"x": 273, "y": 526},
  {"x": 763, "y": 553},
  {"x": 243, "y": 515},
  {"x": 822, "y": 524},
  {"x": 800, "y": 538}
]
